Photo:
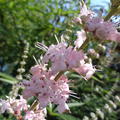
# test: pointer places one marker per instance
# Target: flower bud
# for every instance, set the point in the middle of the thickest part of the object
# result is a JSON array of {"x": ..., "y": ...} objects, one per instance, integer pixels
[
  {"x": 77, "y": 20},
  {"x": 93, "y": 53},
  {"x": 25, "y": 56},
  {"x": 101, "y": 48},
  {"x": 113, "y": 104},
  {"x": 117, "y": 98},
  {"x": 21, "y": 70},
  {"x": 66, "y": 37},
  {"x": 85, "y": 118},
  {"x": 93, "y": 115},
  {"x": 19, "y": 77},
  {"x": 22, "y": 62},
  {"x": 26, "y": 51},
  {"x": 97, "y": 89},
  {"x": 108, "y": 108},
  {"x": 100, "y": 113},
  {"x": 68, "y": 31}
]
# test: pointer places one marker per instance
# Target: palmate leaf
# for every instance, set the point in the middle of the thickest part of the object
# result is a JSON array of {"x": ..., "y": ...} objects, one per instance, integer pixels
[{"x": 7, "y": 78}]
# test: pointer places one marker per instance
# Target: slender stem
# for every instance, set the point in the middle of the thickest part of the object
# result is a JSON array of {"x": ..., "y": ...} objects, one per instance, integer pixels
[
  {"x": 58, "y": 75},
  {"x": 114, "y": 9},
  {"x": 33, "y": 106},
  {"x": 84, "y": 44},
  {"x": 110, "y": 14}
]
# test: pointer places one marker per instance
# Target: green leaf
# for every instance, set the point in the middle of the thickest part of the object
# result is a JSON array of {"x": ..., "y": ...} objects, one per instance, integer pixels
[
  {"x": 62, "y": 116},
  {"x": 7, "y": 78},
  {"x": 8, "y": 81},
  {"x": 75, "y": 104},
  {"x": 96, "y": 79},
  {"x": 67, "y": 117}
]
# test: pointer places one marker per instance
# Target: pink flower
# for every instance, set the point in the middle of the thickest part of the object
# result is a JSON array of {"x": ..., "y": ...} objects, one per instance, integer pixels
[
  {"x": 63, "y": 107},
  {"x": 37, "y": 69},
  {"x": 53, "y": 50},
  {"x": 86, "y": 70},
  {"x": 60, "y": 90},
  {"x": 85, "y": 13},
  {"x": 77, "y": 20},
  {"x": 4, "y": 105},
  {"x": 29, "y": 115},
  {"x": 61, "y": 57},
  {"x": 17, "y": 105},
  {"x": 37, "y": 115},
  {"x": 58, "y": 64},
  {"x": 44, "y": 100},
  {"x": 93, "y": 23},
  {"x": 27, "y": 93},
  {"x": 84, "y": 10},
  {"x": 100, "y": 28},
  {"x": 81, "y": 37},
  {"x": 118, "y": 37},
  {"x": 14, "y": 106},
  {"x": 106, "y": 31},
  {"x": 45, "y": 88}
]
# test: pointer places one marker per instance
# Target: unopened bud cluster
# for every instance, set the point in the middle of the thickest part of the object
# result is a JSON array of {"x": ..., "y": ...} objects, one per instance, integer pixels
[{"x": 21, "y": 70}]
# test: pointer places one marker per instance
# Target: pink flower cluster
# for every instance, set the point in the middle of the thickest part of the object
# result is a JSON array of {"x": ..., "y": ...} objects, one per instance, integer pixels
[
  {"x": 65, "y": 58},
  {"x": 62, "y": 57},
  {"x": 58, "y": 59},
  {"x": 17, "y": 106},
  {"x": 35, "y": 115},
  {"x": 14, "y": 106},
  {"x": 43, "y": 84},
  {"x": 104, "y": 30},
  {"x": 86, "y": 70},
  {"x": 46, "y": 89}
]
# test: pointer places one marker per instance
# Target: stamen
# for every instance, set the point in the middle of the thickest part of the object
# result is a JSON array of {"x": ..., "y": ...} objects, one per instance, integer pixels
[
  {"x": 62, "y": 38},
  {"x": 71, "y": 92},
  {"x": 41, "y": 46},
  {"x": 57, "y": 39},
  {"x": 36, "y": 60},
  {"x": 75, "y": 96}
]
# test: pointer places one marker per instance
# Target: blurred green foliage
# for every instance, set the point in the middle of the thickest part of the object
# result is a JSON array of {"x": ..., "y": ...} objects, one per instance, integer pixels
[{"x": 38, "y": 21}]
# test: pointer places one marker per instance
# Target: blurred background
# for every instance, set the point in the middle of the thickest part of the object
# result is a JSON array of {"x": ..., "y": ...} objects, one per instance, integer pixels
[{"x": 25, "y": 22}]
